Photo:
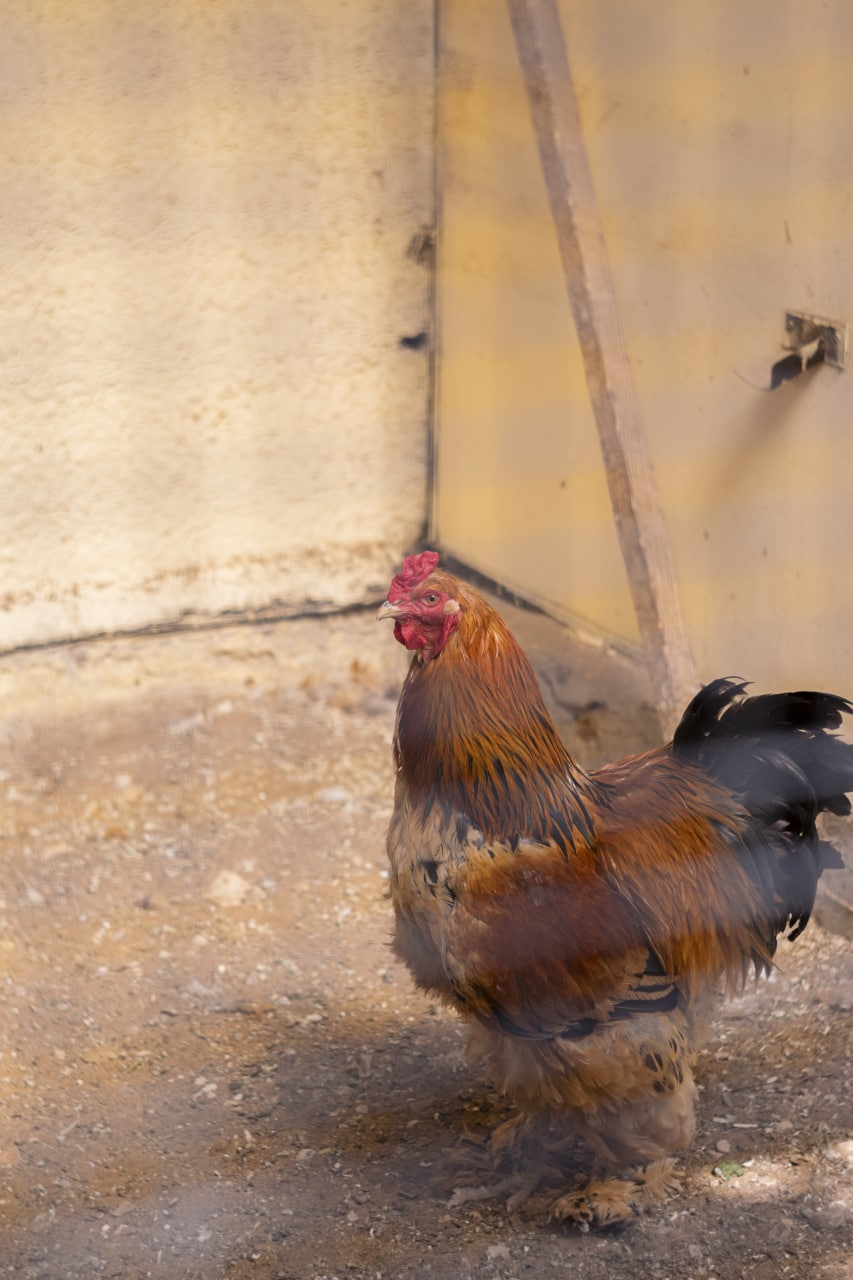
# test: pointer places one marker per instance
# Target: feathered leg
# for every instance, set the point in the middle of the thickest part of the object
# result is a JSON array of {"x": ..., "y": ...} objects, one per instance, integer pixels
[
  {"x": 626, "y": 1091},
  {"x": 518, "y": 1144},
  {"x": 633, "y": 1143}
]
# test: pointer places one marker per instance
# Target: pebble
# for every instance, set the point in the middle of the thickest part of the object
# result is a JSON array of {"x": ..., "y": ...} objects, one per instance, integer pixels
[
  {"x": 228, "y": 889},
  {"x": 830, "y": 1218},
  {"x": 722, "y": 1144}
]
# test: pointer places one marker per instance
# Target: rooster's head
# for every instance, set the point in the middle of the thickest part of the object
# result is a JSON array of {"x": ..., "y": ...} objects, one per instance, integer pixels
[{"x": 421, "y": 602}]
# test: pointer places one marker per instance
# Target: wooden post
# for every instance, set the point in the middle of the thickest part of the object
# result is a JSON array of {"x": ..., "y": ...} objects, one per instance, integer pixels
[{"x": 633, "y": 492}]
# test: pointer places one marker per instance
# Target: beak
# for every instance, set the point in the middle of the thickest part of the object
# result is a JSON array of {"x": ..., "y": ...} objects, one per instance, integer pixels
[{"x": 388, "y": 610}]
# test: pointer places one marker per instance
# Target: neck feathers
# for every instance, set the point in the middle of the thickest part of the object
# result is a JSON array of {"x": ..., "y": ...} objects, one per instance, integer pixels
[{"x": 473, "y": 733}]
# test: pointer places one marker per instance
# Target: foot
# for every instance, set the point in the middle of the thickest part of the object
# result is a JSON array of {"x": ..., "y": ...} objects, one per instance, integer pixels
[
  {"x": 607, "y": 1202},
  {"x": 517, "y": 1187}
]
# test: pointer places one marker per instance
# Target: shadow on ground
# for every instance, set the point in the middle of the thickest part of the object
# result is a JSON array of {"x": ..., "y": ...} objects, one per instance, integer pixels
[{"x": 211, "y": 1066}]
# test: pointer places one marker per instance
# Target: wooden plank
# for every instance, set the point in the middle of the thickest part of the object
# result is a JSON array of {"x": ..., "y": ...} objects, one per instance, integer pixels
[{"x": 633, "y": 492}]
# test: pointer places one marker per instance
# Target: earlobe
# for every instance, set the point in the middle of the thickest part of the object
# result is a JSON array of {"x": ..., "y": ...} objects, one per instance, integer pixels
[{"x": 451, "y": 606}]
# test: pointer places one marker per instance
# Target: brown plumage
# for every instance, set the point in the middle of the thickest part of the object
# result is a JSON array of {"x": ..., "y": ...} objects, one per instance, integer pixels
[{"x": 581, "y": 921}]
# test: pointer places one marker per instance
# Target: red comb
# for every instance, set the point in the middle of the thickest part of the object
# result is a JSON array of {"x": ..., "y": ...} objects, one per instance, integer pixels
[{"x": 414, "y": 571}]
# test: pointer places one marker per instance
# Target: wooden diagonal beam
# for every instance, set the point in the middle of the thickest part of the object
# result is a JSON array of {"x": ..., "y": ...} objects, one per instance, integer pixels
[{"x": 633, "y": 492}]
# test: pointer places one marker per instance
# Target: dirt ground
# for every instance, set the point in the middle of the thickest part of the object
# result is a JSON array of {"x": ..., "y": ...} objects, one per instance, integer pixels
[{"x": 210, "y": 1064}]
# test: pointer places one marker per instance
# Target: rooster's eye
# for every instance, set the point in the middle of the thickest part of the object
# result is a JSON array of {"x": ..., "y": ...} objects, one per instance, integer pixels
[{"x": 431, "y": 598}]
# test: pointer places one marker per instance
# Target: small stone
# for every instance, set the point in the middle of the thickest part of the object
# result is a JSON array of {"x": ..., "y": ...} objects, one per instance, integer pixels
[
  {"x": 228, "y": 889},
  {"x": 831, "y": 1217},
  {"x": 722, "y": 1144}
]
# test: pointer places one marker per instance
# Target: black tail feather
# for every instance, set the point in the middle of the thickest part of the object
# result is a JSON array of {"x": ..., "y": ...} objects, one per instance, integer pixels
[{"x": 778, "y": 754}]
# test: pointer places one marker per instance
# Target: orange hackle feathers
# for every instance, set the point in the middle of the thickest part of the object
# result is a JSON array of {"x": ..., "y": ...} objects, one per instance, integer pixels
[{"x": 474, "y": 732}]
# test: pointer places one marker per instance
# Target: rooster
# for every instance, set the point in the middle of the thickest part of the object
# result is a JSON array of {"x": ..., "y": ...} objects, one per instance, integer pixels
[{"x": 581, "y": 922}]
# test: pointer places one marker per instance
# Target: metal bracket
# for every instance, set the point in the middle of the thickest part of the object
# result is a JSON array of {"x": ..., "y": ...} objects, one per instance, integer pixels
[
  {"x": 807, "y": 340},
  {"x": 804, "y": 331}
]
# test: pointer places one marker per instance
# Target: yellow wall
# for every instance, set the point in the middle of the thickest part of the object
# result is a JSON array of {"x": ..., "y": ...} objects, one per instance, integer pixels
[
  {"x": 721, "y": 141},
  {"x": 205, "y": 209}
]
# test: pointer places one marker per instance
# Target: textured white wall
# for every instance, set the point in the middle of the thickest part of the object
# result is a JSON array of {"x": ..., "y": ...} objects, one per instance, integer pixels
[{"x": 205, "y": 209}]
